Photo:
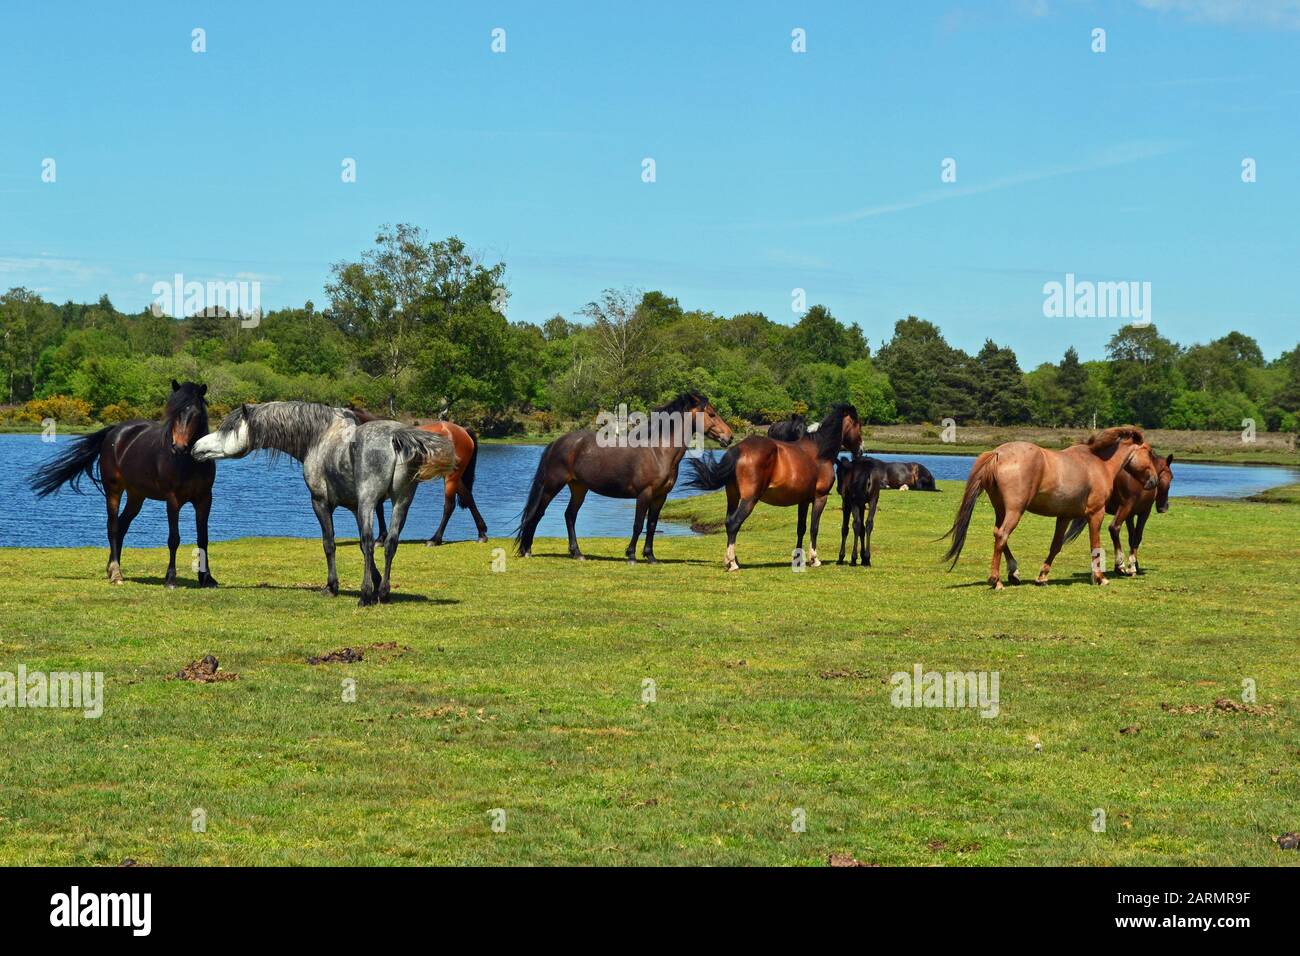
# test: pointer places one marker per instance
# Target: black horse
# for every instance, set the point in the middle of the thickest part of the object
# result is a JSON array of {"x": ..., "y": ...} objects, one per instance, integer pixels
[
  {"x": 791, "y": 429},
  {"x": 144, "y": 460},
  {"x": 904, "y": 475},
  {"x": 859, "y": 481},
  {"x": 643, "y": 467}
]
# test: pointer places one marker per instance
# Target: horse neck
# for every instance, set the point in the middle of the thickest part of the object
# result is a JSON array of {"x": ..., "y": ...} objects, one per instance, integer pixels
[
  {"x": 1115, "y": 463},
  {"x": 297, "y": 443}
]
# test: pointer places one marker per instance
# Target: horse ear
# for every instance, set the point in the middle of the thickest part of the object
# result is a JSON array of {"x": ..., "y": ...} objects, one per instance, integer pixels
[
  {"x": 1169, "y": 458},
  {"x": 176, "y": 386},
  {"x": 203, "y": 390}
]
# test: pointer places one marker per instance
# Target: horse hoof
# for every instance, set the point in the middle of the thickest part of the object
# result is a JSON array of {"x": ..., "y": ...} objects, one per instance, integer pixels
[
  {"x": 997, "y": 584},
  {"x": 650, "y": 559},
  {"x": 815, "y": 563},
  {"x": 1040, "y": 582},
  {"x": 328, "y": 591},
  {"x": 482, "y": 539},
  {"x": 208, "y": 582},
  {"x": 433, "y": 542},
  {"x": 1100, "y": 579},
  {"x": 732, "y": 566}
]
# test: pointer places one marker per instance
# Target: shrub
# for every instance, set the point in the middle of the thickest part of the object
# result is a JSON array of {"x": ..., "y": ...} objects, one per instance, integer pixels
[{"x": 61, "y": 408}]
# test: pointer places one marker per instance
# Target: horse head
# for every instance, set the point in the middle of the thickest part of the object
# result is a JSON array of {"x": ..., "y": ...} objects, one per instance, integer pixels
[
  {"x": 712, "y": 423},
  {"x": 230, "y": 440},
  {"x": 1164, "y": 478},
  {"x": 186, "y": 415},
  {"x": 1140, "y": 463}
]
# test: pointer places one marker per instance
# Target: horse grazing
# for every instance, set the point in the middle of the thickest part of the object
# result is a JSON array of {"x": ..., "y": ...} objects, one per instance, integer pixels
[
  {"x": 780, "y": 473},
  {"x": 1074, "y": 483},
  {"x": 344, "y": 462},
  {"x": 144, "y": 460},
  {"x": 858, "y": 482},
  {"x": 1130, "y": 503},
  {"x": 458, "y": 487},
  {"x": 641, "y": 466}
]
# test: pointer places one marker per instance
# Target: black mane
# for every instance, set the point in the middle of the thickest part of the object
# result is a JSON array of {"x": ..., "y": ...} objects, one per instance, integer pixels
[
  {"x": 830, "y": 433},
  {"x": 685, "y": 402}
]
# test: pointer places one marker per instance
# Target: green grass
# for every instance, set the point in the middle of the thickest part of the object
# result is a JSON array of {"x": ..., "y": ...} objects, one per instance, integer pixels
[
  {"x": 522, "y": 690},
  {"x": 1283, "y": 494}
]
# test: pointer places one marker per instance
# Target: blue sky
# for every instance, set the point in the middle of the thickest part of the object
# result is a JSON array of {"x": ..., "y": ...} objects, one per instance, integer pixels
[{"x": 775, "y": 170}]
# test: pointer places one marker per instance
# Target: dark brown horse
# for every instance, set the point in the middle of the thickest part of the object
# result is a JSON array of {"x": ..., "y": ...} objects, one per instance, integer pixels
[
  {"x": 1130, "y": 502},
  {"x": 145, "y": 460},
  {"x": 1074, "y": 483},
  {"x": 640, "y": 464},
  {"x": 859, "y": 482},
  {"x": 781, "y": 473}
]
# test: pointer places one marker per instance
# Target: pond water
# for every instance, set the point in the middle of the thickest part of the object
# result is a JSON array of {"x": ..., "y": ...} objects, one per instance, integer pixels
[{"x": 256, "y": 497}]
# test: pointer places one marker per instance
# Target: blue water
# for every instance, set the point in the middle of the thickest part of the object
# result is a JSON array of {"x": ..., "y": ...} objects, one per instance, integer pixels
[{"x": 256, "y": 497}]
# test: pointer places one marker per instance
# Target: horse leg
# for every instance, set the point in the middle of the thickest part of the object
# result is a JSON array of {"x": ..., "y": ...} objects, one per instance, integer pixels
[
  {"x": 543, "y": 502},
  {"x": 642, "y": 506},
  {"x": 802, "y": 529},
  {"x": 400, "y": 507},
  {"x": 366, "y": 541},
  {"x": 818, "y": 507},
  {"x": 858, "y": 529},
  {"x": 1001, "y": 534},
  {"x": 478, "y": 518},
  {"x": 448, "y": 506},
  {"x": 652, "y": 522},
  {"x": 1058, "y": 539},
  {"x": 1135, "y": 540},
  {"x": 871, "y": 523},
  {"x": 577, "y": 495},
  {"x": 325, "y": 515},
  {"x": 1094, "y": 537},
  {"x": 113, "y": 498},
  {"x": 1119, "y": 550},
  {"x": 844, "y": 533},
  {"x": 1013, "y": 566},
  {"x": 173, "y": 539},
  {"x": 379, "y": 517},
  {"x": 133, "y": 505},
  {"x": 735, "y": 518},
  {"x": 202, "y": 509}
]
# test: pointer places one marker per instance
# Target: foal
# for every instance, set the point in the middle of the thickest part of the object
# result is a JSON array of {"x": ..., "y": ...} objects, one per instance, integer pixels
[{"x": 859, "y": 482}]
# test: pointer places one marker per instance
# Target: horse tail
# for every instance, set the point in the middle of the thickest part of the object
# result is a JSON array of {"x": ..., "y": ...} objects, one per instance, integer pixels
[
  {"x": 710, "y": 474},
  {"x": 76, "y": 461},
  {"x": 465, "y": 487},
  {"x": 532, "y": 512},
  {"x": 975, "y": 485},
  {"x": 1076, "y": 526},
  {"x": 436, "y": 454}
]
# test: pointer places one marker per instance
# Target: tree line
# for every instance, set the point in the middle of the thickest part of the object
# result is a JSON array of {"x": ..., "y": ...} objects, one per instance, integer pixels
[{"x": 420, "y": 327}]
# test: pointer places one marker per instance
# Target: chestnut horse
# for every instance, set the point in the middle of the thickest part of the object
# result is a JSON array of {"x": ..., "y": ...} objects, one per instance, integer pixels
[
  {"x": 1074, "y": 483},
  {"x": 1130, "y": 503},
  {"x": 626, "y": 466},
  {"x": 459, "y": 485},
  {"x": 145, "y": 460},
  {"x": 781, "y": 473}
]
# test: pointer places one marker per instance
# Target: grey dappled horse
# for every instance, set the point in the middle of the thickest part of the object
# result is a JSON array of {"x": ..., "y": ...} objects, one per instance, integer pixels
[{"x": 345, "y": 461}]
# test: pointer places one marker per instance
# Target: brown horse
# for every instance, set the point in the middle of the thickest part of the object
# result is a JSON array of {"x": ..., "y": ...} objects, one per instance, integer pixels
[
  {"x": 781, "y": 473},
  {"x": 628, "y": 465},
  {"x": 1130, "y": 502},
  {"x": 459, "y": 485},
  {"x": 145, "y": 460},
  {"x": 1070, "y": 484}
]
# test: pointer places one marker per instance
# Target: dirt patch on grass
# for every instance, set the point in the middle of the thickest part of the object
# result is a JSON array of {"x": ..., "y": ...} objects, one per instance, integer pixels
[
  {"x": 846, "y": 859},
  {"x": 841, "y": 674},
  {"x": 381, "y": 652},
  {"x": 1221, "y": 706},
  {"x": 203, "y": 671}
]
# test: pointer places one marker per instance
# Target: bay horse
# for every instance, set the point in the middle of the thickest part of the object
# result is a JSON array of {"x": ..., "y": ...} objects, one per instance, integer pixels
[
  {"x": 781, "y": 473},
  {"x": 1071, "y": 484},
  {"x": 641, "y": 467},
  {"x": 1130, "y": 503},
  {"x": 144, "y": 460},
  {"x": 858, "y": 482},
  {"x": 344, "y": 462}
]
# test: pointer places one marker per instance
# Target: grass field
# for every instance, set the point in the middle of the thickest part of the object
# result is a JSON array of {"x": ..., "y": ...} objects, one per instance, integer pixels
[{"x": 523, "y": 691}]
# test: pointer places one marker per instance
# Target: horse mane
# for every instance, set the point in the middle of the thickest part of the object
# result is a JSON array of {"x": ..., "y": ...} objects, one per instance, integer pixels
[
  {"x": 685, "y": 402},
  {"x": 829, "y": 435},
  {"x": 1104, "y": 441},
  {"x": 287, "y": 427},
  {"x": 789, "y": 429}
]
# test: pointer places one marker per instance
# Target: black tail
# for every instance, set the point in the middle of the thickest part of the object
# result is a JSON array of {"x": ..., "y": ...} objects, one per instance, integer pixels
[
  {"x": 69, "y": 466},
  {"x": 532, "y": 512},
  {"x": 465, "y": 490},
  {"x": 710, "y": 474},
  {"x": 975, "y": 485},
  {"x": 1076, "y": 526}
]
